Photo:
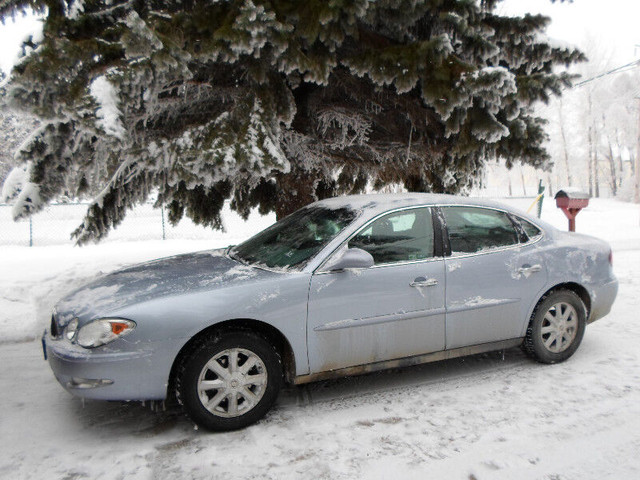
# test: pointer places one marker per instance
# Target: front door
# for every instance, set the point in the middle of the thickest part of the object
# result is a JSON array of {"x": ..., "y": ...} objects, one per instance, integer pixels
[{"x": 392, "y": 310}]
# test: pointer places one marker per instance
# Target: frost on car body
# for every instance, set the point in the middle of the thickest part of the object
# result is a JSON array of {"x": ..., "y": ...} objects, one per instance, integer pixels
[{"x": 344, "y": 286}]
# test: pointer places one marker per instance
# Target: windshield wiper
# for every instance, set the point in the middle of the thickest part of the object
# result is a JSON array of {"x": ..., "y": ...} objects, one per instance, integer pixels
[{"x": 232, "y": 254}]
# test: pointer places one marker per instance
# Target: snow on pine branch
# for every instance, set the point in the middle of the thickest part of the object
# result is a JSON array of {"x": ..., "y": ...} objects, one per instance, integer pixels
[
  {"x": 108, "y": 112},
  {"x": 139, "y": 41},
  {"x": 13, "y": 184},
  {"x": 24, "y": 195},
  {"x": 75, "y": 9},
  {"x": 303, "y": 149},
  {"x": 352, "y": 128}
]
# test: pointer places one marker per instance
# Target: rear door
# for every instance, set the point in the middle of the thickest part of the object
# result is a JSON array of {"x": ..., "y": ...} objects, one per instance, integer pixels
[
  {"x": 492, "y": 277},
  {"x": 392, "y": 310}
]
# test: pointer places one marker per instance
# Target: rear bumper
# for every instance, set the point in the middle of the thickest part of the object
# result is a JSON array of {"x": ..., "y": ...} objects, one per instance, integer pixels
[
  {"x": 602, "y": 298},
  {"x": 109, "y": 375}
]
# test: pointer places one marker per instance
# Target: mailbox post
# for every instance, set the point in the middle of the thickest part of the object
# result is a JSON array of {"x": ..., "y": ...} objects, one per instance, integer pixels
[{"x": 571, "y": 202}]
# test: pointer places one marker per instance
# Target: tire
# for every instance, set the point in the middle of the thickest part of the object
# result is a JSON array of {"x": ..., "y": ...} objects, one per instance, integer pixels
[
  {"x": 556, "y": 327},
  {"x": 229, "y": 380}
]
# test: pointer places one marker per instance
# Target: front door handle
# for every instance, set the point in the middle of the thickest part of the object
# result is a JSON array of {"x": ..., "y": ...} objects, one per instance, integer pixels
[
  {"x": 527, "y": 269},
  {"x": 424, "y": 282}
]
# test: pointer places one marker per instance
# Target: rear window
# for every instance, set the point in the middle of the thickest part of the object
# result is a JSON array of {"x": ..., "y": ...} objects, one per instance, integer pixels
[
  {"x": 473, "y": 229},
  {"x": 530, "y": 229}
]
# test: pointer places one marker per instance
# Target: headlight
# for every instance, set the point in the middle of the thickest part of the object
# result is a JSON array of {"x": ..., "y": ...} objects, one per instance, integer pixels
[
  {"x": 71, "y": 329},
  {"x": 102, "y": 331}
]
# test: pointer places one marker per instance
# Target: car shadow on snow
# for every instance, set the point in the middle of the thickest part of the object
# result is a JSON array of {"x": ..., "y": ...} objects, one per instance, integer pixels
[
  {"x": 151, "y": 419},
  {"x": 138, "y": 418},
  {"x": 437, "y": 378}
]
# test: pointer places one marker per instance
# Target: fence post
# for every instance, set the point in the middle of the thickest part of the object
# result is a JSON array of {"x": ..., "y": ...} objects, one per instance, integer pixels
[
  {"x": 540, "y": 191},
  {"x": 163, "y": 232},
  {"x": 30, "y": 232}
]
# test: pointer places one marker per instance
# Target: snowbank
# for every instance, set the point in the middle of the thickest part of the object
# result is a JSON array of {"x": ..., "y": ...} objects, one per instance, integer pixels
[{"x": 490, "y": 416}]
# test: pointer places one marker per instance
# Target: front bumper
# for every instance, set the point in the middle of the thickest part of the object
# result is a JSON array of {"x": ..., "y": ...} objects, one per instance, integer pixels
[
  {"x": 109, "y": 374},
  {"x": 602, "y": 298}
]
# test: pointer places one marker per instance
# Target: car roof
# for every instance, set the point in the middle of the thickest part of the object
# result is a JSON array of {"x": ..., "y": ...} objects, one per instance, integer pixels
[
  {"x": 387, "y": 201},
  {"x": 375, "y": 203}
]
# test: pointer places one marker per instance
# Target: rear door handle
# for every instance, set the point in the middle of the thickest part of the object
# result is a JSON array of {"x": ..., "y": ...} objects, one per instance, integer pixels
[
  {"x": 527, "y": 269},
  {"x": 424, "y": 282}
]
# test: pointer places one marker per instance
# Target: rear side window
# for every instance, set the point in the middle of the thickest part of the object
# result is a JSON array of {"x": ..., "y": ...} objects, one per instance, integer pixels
[
  {"x": 398, "y": 237},
  {"x": 473, "y": 229},
  {"x": 530, "y": 229}
]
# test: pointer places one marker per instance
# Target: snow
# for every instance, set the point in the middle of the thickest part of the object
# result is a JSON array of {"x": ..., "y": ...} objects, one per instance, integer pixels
[
  {"x": 490, "y": 416},
  {"x": 12, "y": 32},
  {"x": 571, "y": 189},
  {"x": 140, "y": 50},
  {"x": 241, "y": 272},
  {"x": 28, "y": 200},
  {"x": 76, "y": 8},
  {"x": 553, "y": 42},
  {"x": 13, "y": 183},
  {"x": 108, "y": 113}
]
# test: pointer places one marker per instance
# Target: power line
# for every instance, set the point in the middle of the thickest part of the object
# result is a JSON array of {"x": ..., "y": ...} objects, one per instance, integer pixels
[{"x": 620, "y": 69}]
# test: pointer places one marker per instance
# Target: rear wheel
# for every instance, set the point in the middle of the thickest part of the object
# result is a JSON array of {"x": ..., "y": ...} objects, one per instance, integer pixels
[
  {"x": 230, "y": 380},
  {"x": 556, "y": 327}
]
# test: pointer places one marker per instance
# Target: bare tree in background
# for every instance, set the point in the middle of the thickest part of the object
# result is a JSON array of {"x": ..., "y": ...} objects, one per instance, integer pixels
[{"x": 594, "y": 128}]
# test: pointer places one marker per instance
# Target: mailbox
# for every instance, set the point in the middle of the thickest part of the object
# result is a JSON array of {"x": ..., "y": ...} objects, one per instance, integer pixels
[{"x": 571, "y": 201}]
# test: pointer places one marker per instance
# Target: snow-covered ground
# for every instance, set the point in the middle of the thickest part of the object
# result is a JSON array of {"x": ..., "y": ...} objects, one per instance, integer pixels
[{"x": 487, "y": 416}]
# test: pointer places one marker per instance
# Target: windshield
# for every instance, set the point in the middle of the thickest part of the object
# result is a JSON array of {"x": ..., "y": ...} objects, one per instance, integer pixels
[{"x": 296, "y": 238}]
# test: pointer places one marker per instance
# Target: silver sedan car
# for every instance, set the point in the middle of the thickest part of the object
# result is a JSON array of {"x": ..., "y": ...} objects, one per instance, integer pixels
[{"x": 341, "y": 287}]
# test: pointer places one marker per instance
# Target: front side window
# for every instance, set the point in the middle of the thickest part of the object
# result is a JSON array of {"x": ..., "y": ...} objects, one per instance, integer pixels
[
  {"x": 294, "y": 240},
  {"x": 398, "y": 237},
  {"x": 473, "y": 229}
]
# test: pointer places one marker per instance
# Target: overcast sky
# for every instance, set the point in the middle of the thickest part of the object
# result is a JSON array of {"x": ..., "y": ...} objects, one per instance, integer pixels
[{"x": 612, "y": 22}]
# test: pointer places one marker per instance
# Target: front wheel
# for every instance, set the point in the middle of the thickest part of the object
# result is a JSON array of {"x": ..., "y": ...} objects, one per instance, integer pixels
[
  {"x": 230, "y": 380},
  {"x": 556, "y": 327}
]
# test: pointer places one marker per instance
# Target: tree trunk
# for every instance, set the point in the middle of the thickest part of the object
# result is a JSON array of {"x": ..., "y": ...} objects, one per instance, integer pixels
[
  {"x": 590, "y": 162},
  {"x": 596, "y": 177},
  {"x": 637, "y": 169},
  {"x": 621, "y": 172},
  {"x": 294, "y": 191},
  {"x": 564, "y": 146},
  {"x": 591, "y": 149},
  {"x": 613, "y": 179}
]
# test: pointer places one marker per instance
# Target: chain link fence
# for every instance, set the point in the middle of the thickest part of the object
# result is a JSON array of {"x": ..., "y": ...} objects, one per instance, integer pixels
[{"x": 53, "y": 226}]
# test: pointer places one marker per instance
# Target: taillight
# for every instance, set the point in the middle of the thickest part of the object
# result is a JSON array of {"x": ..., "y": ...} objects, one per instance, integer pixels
[{"x": 611, "y": 257}]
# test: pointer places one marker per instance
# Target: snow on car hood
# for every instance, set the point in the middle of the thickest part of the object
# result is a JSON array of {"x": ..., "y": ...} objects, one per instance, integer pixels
[{"x": 159, "y": 278}]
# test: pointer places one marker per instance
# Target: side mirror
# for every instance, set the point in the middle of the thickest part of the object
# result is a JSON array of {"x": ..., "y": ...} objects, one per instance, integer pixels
[{"x": 351, "y": 258}]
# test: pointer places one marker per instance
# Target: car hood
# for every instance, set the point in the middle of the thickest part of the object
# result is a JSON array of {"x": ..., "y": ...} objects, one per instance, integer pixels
[{"x": 169, "y": 276}]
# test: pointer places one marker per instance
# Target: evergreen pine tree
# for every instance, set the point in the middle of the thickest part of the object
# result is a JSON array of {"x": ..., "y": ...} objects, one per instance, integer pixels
[
  {"x": 14, "y": 129},
  {"x": 274, "y": 103}
]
